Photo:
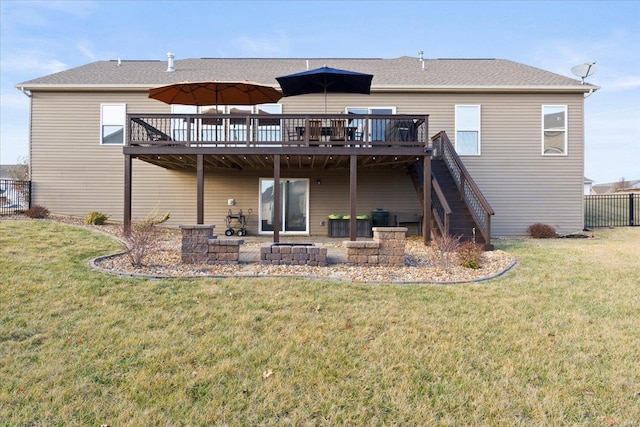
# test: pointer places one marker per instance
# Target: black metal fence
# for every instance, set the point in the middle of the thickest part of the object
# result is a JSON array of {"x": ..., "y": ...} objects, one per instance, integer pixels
[
  {"x": 15, "y": 196},
  {"x": 612, "y": 210}
]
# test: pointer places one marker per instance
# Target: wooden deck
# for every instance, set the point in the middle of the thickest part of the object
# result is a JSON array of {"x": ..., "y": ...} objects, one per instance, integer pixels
[
  {"x": 202, "y": 142},
  {"x": 316, "y": 141}
]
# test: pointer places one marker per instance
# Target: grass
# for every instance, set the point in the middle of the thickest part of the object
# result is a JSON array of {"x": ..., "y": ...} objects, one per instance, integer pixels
[{"x": 554, "y": 342}]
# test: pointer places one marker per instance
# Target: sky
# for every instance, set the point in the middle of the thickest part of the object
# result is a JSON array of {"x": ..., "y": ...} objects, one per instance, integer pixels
[{"x": 38, "y": 38}]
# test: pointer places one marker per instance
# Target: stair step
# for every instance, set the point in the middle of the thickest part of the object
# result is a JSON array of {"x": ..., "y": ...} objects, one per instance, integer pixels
[{"x": 461, "y": 222}]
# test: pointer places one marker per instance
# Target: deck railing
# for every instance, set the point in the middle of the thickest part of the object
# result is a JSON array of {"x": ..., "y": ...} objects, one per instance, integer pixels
[
  {"x": 262, "y": 130},
  {"x": 480, "y": 209}
]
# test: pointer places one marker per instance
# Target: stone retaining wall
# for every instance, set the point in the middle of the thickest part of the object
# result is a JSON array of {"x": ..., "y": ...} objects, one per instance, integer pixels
[
  {"x": 201, "y": 246},
  {"x": 224, "y": 251},
  {"x": 292, "y": 254},
  {"x": 195, "y": 243},
  {"x": 363, "y": 252},
  {"x": 392, "y": 244},
  {"x": 386, "y": 249}
]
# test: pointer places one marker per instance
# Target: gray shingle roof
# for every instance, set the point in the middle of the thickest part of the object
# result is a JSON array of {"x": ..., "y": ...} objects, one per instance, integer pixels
[{"x": 404, "y": 72}]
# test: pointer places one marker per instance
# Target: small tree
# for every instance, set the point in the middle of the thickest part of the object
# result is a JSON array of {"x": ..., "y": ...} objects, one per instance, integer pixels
[
  {"x": 143, "y": 239},
  {"x": 19, "y": 171},
  {"x": 446, "y": 247},
  {"x": 621, "y": 185}
]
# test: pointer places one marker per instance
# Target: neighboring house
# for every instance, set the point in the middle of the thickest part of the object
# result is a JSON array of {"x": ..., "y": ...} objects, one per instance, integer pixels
[
  {"x": 519, "y": 131},
  {"x": 12, "y": 194},
  {"x": 588, "y": 183},
  {"x": 627, "y": 186},
  {"x": 9, "y": 171}
]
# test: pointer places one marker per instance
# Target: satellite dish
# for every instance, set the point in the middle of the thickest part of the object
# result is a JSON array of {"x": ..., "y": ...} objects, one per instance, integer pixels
[{"x": 584, "y": 70}]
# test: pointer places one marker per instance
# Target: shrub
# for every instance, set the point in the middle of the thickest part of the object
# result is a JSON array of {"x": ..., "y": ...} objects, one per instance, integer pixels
[
  {"x": 469, "y": 255},
  {"x": 143, "y": 239},
  {"x": 96, "y": 218},
  {"x": 542, "y": 231},
  {"x": 37, "y": 211},
  {"x": 445, "y": 248}
]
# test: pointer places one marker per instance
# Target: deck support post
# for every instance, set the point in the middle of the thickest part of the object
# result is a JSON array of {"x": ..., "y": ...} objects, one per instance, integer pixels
[
  {"x": 276, "y": 198},
  {"x": 200, "y": 188},
  {"x": 127, "y": 195},
  {"x": 353, "y": 184},
  {"x": 426, "y": 202}
]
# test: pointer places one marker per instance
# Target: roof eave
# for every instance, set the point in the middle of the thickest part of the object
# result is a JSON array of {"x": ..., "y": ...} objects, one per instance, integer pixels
[
  {"x": 374, "y": 88},
  {"x": 84, "y": 88},
  {"x": 486, "y": 89}
]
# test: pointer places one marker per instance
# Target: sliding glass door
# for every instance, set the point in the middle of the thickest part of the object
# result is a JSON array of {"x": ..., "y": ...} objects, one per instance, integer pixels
[
  {"x": 376, "y": 127},
  {"x": 294, "y": 206}
]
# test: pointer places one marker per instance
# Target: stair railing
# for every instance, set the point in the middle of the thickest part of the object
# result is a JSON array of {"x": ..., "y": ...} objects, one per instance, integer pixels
[
  {"x": 440, "y": 207},
  {"x": 480, "y": 209}
]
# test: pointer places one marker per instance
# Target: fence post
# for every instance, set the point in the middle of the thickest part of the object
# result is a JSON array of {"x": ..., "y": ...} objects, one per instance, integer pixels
[{"x": 631, "y": 210}]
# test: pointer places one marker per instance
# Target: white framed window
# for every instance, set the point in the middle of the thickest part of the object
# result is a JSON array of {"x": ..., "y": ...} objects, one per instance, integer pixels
[
  {"x": 468, "y": 127},
  {"x": 112, "y": 123},
  {"x": 554, "y": 130}
]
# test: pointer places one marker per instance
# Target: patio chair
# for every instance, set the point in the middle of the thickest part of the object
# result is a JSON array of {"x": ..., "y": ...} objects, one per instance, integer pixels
[
  {"x": 315, "y": 130},
  {"x": 338, "y": 131},
  {"x": 292, "y": 133}
]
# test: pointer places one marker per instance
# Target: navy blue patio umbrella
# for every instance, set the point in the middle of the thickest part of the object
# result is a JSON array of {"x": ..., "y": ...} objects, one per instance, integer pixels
[{"x": 324, "y": 80}]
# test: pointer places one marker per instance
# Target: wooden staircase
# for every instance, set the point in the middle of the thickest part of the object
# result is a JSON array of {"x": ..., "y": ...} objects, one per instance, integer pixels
[
  {"x": 451, "y": 209},
  {"x": 460, "y": 220}
]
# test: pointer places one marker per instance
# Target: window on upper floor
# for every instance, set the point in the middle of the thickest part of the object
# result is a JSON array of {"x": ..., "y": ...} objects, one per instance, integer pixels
[
  {"x": 112, "y": 122},
  {"x": 467, "y": 140},
  {"x": 554, "y": 130}
]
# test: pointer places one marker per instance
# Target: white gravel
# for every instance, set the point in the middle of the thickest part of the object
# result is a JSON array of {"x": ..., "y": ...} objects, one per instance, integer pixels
[{"x": 423, "y": 264}]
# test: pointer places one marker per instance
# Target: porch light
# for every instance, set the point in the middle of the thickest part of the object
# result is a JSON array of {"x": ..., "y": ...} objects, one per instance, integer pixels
[{"x": 318, "y": 181}]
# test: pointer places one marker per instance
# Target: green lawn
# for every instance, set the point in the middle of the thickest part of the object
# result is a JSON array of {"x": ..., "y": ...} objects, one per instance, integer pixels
[{"x": 554, "y": 342}]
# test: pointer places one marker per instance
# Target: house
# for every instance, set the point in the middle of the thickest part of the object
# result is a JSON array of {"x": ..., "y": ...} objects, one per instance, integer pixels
[
  {"x": 517, "y": 132},
  {"x": 588, "y": 186},
  {"x": 14, "y": 192},
  {"x": 623, "y": 186}
]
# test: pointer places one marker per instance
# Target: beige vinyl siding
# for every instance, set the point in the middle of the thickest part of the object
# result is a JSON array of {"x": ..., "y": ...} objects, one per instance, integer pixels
[
  {"x": 73, "y": 174},
  {"x": 522, "y": 185}
]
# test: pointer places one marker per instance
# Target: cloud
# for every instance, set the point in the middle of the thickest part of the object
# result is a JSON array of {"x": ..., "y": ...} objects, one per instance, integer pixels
[
  {"x": 86, "y": 49},
  {"x": 14, "y": 101},
  {"x": 31, "y": 62},
  {"x": 622, "y": 83},
  {"x": 262, "y": 46},
  {"x": 74, "y": 8}
]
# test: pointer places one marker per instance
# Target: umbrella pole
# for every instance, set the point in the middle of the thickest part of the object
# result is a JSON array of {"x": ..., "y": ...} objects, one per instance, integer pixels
[{"x": 325, "y": 100}]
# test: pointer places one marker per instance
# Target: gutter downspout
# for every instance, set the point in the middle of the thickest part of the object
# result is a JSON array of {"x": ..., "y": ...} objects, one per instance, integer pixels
[{"x": 29, "y": 94}]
